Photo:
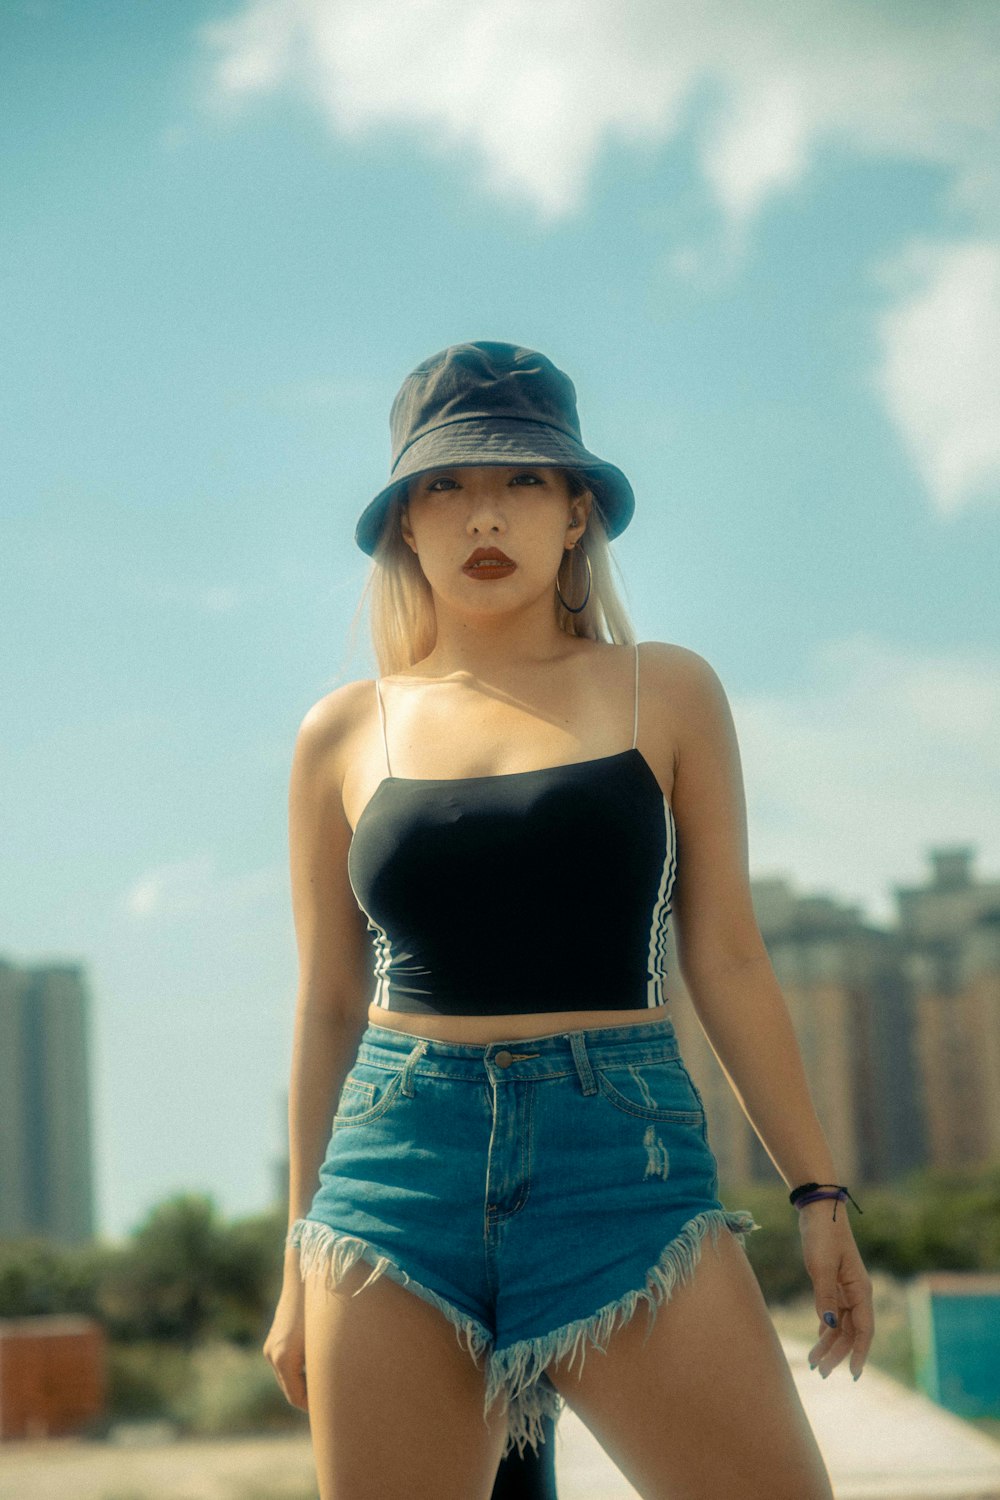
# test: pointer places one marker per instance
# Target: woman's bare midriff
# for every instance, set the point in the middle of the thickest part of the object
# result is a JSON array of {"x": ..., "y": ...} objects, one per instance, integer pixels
[{"x": 478, "y": 1030}]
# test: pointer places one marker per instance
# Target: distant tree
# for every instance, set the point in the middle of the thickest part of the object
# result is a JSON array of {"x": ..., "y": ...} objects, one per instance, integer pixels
[{"x": 184, "y": 1275}]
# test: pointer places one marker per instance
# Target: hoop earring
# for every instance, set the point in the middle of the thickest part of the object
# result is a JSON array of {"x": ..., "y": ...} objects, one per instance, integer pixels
[{"x": 575, "y": 609}]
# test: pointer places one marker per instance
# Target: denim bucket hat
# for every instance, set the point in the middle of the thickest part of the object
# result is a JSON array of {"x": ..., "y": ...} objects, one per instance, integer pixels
[{"x": 489, "y": 403}]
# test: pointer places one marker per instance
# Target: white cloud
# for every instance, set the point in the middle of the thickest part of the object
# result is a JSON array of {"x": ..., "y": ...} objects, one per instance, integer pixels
[
  {"x": 193, "y": 887},
  {"x": 885, "y": 754},
  {"x": 759, "y": 144},
  {"x": 940, "y": 372},
  {"x": 533, "y": 93},
  {"x": 537, "y": 90},
  {"x": 526, "y": 86}
]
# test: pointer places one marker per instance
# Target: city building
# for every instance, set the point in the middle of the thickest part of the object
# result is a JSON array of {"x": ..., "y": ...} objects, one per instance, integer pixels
[
  {"x": 899, "y": 1029},
  {"x": 46, "y": 1147}
]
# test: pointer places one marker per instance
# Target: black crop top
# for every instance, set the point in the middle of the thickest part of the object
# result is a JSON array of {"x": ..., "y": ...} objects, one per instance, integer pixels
[{"x": 545, "y": 890}]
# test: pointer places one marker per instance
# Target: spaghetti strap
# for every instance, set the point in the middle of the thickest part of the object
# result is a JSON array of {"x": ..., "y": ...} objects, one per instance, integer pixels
[
  {"x": 381, "y": 714},
  {"x": 635, "y": 726}
]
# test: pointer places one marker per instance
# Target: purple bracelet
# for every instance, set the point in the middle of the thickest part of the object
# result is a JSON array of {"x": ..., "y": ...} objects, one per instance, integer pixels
[
  {"x": 810, "y": 1192},
  {"x": 814, "y": 1197}
]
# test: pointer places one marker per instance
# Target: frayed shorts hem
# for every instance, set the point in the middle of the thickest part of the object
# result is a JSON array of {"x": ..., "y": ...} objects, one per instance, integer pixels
[{"x": 517, "y": 1372}]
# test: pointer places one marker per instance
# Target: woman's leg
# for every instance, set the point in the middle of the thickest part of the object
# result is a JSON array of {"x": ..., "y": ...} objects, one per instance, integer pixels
[
  {"x": 395, "y": 1403},
  {"x": 707, "y": 1407}
]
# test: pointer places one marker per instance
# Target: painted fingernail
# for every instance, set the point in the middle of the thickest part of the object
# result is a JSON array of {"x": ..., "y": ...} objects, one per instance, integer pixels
[
  {"x": 830, "y": 1318},
  {"x": 811, "y": 1365},
  {"x": 857, "y": 1375},
  {"x": 824, "y": 1373}
]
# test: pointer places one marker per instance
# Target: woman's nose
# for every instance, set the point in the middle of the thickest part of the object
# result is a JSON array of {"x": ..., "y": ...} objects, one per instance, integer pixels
[{"x": 486, "y": 514}]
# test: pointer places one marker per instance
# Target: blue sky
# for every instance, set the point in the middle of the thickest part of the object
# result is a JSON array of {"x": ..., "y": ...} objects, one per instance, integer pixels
[{"x": 764, "y": 241}]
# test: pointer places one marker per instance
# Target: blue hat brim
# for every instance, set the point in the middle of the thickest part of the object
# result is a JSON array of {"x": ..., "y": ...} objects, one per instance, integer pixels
[{"x": 472, "y": 443}]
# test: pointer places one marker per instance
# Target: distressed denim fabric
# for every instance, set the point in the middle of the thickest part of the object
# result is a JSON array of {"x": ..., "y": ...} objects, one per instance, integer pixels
[{"x": 533, "y": 1191}]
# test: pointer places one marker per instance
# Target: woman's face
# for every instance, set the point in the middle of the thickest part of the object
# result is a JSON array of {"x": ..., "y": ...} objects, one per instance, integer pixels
[{"x": 523, "y": 511}]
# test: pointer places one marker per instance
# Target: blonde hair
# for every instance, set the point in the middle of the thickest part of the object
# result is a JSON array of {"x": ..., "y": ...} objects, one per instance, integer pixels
[{"x": 402, "y": 620}]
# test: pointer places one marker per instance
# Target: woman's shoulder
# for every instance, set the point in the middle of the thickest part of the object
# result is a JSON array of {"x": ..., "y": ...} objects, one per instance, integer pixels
[
  {"x": 700, "y": 709},
  {"x": 685, "y": 680},
  {"x": 328, "y": 727},
  {"x": 679, "y": 663}
]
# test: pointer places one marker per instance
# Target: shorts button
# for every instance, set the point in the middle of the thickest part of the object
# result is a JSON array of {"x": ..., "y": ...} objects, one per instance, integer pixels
[{"x": 503, "y": 1059}]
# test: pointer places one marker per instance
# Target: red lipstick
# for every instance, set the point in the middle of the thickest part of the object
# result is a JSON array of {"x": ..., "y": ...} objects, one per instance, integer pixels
[{"x": 488, "y": 562}]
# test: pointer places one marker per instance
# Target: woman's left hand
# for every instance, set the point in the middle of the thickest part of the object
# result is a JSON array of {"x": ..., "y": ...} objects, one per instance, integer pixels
[{"x": 842, "y": 1287}]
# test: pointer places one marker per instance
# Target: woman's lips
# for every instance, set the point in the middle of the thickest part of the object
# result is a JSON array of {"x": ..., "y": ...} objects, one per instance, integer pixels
[{"x": 488, "y": 569}]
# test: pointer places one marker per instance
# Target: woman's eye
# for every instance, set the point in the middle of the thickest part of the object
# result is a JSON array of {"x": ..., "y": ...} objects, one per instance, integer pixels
[{"x": 444, "y": 479}]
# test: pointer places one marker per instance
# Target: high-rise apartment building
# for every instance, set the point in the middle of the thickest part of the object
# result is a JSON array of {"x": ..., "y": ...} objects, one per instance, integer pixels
[
  {"x": 899, "y": 1028},
  {"x": 951, "y": 932},
  {"x": 46, "y": 1156}
]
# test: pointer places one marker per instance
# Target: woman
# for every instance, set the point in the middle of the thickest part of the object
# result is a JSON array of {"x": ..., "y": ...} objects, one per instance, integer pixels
[{"x": 519, "y": 1155}]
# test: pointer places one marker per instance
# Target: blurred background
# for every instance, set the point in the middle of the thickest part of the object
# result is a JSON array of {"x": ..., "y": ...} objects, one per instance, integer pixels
[{"x": 764, "y": 241}]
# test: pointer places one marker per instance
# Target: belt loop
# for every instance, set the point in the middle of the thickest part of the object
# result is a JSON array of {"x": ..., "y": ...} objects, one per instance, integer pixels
[
  {"x": 406, "y": 1085},
  {"x": 583, "y": 1068}
]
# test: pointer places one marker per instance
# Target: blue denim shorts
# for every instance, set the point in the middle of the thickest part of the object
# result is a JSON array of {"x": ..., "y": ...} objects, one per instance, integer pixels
[{"x": 533, "y": 1191}]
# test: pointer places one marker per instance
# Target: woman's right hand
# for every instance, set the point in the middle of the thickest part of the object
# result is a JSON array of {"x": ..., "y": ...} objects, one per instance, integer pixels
[{"x": 285, "y": 1345}]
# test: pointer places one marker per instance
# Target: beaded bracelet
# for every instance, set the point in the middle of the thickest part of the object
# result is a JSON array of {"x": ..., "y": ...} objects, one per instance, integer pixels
[{"x": 807, "y": 1192}]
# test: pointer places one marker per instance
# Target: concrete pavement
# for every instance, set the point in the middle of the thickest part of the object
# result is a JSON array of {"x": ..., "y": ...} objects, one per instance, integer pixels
[{"x": 880, "y": 1441}]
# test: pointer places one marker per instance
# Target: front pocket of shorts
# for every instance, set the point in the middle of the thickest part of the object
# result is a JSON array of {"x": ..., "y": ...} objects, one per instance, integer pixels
[
  {"x": 652, "y": 1091},
  {"x": 366, "y": 1095}
]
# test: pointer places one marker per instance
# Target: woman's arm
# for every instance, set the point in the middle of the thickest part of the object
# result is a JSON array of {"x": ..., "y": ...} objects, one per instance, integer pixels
[
  {"x": 335, "y": 982},
  {"x": 739, "y": 1002},
  {"x": 723, "y": 959}
]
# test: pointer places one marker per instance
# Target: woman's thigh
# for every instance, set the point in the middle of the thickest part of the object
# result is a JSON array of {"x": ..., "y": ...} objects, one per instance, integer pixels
[
  {"x": 395, "y": 1404},
  {"x": 706, "y": 1407}
]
